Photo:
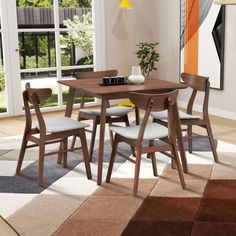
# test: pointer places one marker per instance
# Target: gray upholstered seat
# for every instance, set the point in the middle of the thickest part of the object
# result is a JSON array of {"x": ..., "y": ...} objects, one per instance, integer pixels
[
  {"x": 162, "y": 115},
  {"x": 61, "y": 124},
  {"x": 111, "y": 111},
  {"x": 152, "y": 131}
]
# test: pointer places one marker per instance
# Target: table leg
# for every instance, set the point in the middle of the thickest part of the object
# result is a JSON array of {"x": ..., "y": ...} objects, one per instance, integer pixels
[
  {"x": 70, "y": 102},
  {"x": 180, "y": 139},
  {"x": 101, "y": 140}
]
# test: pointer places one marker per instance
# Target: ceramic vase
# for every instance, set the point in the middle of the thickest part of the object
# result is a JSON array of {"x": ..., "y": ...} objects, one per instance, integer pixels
[{"x": 136, "y": 77}]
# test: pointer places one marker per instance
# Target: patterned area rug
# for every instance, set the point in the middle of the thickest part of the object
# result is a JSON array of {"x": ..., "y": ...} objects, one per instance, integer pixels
[
  {"x": 73, "y": 205},
  {"x": 213, "y": 214},
  {"x": 26, "y": 182}
]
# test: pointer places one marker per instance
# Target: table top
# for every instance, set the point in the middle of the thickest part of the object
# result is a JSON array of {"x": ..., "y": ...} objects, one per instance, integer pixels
[{"x": 92, "y": 87}]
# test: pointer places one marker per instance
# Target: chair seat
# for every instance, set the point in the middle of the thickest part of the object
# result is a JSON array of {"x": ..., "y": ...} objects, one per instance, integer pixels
[
  {"x": 162, "y": 115},
  {"x": 111, "y": 111},
  {"x": 61, "y": 124},
  {"x": 152, "y": 131}
]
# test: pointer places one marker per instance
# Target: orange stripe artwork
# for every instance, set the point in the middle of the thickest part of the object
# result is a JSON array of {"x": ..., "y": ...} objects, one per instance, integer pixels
[{"x": 191, "y": 36}]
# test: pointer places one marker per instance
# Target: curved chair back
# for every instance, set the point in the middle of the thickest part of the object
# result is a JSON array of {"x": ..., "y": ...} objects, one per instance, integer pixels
[
  {"x": 198, "y": 84},
  {"x": 35, "y": 97},
  {"x": 154, "y": 102},
  {"x": 159, "y": 102},
  {"x": 93, "y": 75},
  {"x": 96, "y": 74}
]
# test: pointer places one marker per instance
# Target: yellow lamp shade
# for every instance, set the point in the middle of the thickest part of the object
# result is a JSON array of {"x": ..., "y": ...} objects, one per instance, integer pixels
[{"x": 126, "y": 4}]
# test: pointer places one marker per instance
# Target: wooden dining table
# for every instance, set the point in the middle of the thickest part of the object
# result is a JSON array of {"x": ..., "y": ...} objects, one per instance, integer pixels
[{"x": 92, "y": 87}]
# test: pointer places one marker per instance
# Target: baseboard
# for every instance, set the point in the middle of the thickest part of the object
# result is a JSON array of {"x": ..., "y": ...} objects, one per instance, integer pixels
[{"x": 212, "y": 111}]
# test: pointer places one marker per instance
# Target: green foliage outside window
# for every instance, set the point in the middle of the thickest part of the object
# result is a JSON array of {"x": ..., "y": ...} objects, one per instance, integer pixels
[
  {"x": 34, "y": 3},
  {"x": 49, "y": 3},
  {"x": 83, "y": 38}
]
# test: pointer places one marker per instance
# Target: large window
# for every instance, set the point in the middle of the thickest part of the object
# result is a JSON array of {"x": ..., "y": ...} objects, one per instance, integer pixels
[{"x": 54, "y": 38}]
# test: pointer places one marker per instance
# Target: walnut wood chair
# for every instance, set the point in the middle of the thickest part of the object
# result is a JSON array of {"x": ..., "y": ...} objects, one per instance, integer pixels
[
  {"x": 197, "y": 84},
  {"x": 113, "y": 114},
  {"x": 49, "y": 131},
  {"x": 144, "y": 137}
]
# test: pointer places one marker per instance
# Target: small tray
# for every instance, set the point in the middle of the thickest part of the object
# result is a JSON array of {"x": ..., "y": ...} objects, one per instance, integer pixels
[{"x": 110, "y": 84}]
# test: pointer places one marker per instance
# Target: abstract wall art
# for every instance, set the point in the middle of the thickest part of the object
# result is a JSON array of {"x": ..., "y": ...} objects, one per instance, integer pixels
[{"x": 202, "y": 26}]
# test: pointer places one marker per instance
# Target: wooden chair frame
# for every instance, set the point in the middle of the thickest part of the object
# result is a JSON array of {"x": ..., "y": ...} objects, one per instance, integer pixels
[
  {"x": 150, "y": 102},
  {"x": 97, "y": 75},
  {"x": 39, "y": 137},
  {"x": 197, "y": 84}
]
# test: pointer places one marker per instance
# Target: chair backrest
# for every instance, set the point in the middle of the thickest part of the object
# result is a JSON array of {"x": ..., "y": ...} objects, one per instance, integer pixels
[
  {"x": 96, "y": 74},
  {"x": 93, "y": 75},
  {"x": 154, "y": 102},
  {"x": 35, "y": 96},
  {"x": 198, "y": 84}
]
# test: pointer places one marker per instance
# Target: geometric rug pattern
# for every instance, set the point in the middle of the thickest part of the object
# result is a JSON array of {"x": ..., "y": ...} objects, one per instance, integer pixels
[
  {"x": 213, "y": 214},
  {"x": 74, "y": 205}
]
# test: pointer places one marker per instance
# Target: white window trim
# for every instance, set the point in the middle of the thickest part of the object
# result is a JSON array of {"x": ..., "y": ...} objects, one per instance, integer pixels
[{"x": 12, "y": 70}]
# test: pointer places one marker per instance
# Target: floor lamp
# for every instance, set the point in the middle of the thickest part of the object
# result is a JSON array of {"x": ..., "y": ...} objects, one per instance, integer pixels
[{"x": 124, "y": 5}]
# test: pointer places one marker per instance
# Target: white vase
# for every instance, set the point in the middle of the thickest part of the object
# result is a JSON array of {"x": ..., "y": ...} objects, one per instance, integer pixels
[{"x": 136, "y": 77}]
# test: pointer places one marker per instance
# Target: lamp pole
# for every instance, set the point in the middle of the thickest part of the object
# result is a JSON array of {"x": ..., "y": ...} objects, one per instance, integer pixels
[{"x": 124, "y": 5}]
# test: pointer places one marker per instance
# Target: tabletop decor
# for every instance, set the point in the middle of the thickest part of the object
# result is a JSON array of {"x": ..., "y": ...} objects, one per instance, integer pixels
[{"x": 136, "y": 77}]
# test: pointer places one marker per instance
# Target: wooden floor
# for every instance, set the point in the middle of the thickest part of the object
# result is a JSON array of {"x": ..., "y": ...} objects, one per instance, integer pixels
[{"x": 223, "y": 129}]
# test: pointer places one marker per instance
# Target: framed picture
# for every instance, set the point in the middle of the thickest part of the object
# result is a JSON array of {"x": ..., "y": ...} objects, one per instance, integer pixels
[{"x": 202, "y": 27}]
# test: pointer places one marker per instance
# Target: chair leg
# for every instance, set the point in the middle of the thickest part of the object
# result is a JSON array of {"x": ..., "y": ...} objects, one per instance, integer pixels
[
  {"x": 112, "y": 159},
  {"x": 173, "y": 164},
  {"x": 190, "y": 138},
  {"x": 177, "y": 161},
  {"x": 153, "y": 157},
  {"x": 127, "y": 125},
  {"x": 212, "y": 142},
  {"x": 93, "y": 136},
  {"x": 41, "y": 163},
  {"x": 60, "y": 154},
  {"x": 73, "y": 143},
  {"x": 111, "y": 135},
  {"x": 74, "y": 137},
  {"x": 21, "y": 155},
  {"x": 64, "y": 154},
  {"x": 85, "y": 153},
  {"x": 154, "y": 164},
  {"x": 136, "y": 173}
]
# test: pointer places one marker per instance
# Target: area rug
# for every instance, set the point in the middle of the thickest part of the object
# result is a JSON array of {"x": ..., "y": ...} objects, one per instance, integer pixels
[
  {"x": 6, "y": 228},
  {"x": 213, "y": 214},
  {"x": 73, "y": 205},
  {"x": 207, "y": 207},
  {"x": 26, "y": 182},
  {"x": 200, "y": 143}
]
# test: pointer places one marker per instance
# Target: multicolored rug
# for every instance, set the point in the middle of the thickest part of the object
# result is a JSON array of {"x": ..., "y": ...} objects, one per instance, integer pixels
[{"x": 73, "y": 205}]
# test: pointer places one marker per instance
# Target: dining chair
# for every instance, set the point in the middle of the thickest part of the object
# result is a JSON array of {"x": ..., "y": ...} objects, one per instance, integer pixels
[
  {"x": 49, "y": 131},
  {"x": 145, "y": 138},
  {"x": 197, "y": 84},
  {"x": 113, "y": 114}
]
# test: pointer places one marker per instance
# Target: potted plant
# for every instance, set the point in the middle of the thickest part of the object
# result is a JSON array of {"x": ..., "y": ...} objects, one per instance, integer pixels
[{"x": 147, "y": 56}]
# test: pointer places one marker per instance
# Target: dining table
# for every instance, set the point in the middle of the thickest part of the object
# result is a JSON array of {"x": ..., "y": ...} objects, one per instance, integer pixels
[{"x": 93, "y": 87}]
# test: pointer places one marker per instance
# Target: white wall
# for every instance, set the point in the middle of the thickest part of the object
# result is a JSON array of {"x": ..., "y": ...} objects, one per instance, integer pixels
[
  {"x": 158, "y": 21},
  {"x": 139, "y": 29}
]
